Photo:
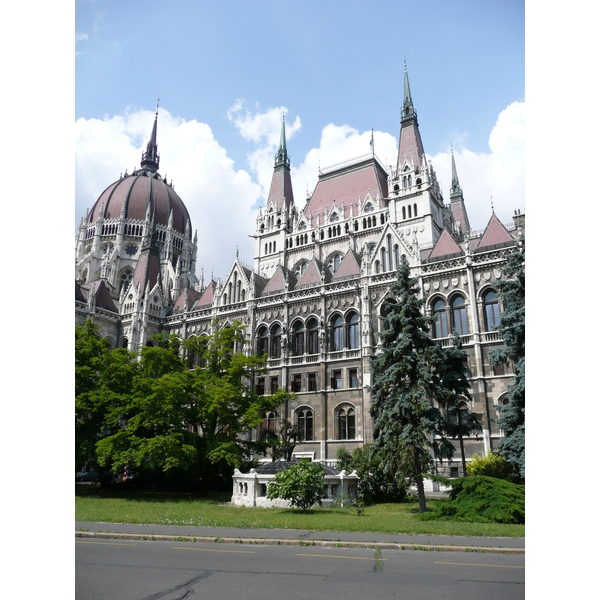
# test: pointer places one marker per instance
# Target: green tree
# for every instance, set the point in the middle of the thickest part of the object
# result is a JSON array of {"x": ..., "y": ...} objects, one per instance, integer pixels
[
  {"x": 454, "y": 395},
  {"x": 407, "y": 424},
  {"x": 490, "y": 465},
  {"x": 91, "y": 352},
  {"x": 302, "y": 484},
  {"x": 511, "y": 417}
]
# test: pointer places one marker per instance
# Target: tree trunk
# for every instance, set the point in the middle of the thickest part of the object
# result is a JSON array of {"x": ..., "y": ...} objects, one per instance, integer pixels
[
  {"x": 419, "y": 481},
  {"x": 462, "y": 454}
]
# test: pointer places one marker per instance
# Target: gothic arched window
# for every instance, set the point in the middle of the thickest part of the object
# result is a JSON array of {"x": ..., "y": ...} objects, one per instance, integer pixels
[
  {"x": 459, "y": 315},
  {"x": 440, "y": 325},
  {"x": 276, "y": 342},
  {"x": 337, "y": 331},
  {"x": 304, "y": 421},
  {"x": 346, "y": 423},
  {"x": 313, "y": 336},
  {"x": 299, "y": 339},
  {"x": 492, "y": 310},
  {"x": 263, "y": 341},
  {"x": 353, "y": 332}
]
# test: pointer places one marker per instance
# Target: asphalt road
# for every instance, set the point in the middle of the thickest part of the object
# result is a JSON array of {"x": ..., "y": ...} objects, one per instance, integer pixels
[{"x": 153, "y": 570}]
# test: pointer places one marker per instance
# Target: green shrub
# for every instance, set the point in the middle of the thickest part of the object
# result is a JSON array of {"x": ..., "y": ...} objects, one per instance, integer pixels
[
  {"x": 481, "y": 499},
  {"x": 490, "y": 465},
  {"x": 302, "y": 484}
]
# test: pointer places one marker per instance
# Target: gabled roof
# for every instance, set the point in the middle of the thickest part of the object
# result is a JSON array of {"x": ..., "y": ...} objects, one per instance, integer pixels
[
  {"x": 446, "y": 246},
  {"x": 207, "y": 297},
  {"x": 495, "y": 234},
  {"x": 147, "y": 269},
  {"x": 103, "y": 297},
  {"x": 281, "y": 185},
  {"x": 312, "y": 274},
  {"x": 345, "y": 185},
  {"x": 349, "y": 267},
  {"x": 192, "y": 297},
  {"x": 79, "y": 293},
  {"x": 277, "y": 282}
]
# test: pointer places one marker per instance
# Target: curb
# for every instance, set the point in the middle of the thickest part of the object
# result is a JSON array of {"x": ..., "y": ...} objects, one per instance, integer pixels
[{"x": 298, "y": 542}]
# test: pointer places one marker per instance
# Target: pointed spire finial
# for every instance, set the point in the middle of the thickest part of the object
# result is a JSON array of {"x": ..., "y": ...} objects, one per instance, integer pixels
[
  {"x": 151, "y": 158},
  {"x": 408, "y": 110},
  {"x": 282, "y": 158}
]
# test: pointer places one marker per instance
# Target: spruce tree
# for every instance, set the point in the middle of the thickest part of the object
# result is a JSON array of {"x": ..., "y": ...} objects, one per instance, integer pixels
[
  {"x": 404, "y": 384},
  {"x": 455, "y": 396},
  {"x": 511, "y": 417}
]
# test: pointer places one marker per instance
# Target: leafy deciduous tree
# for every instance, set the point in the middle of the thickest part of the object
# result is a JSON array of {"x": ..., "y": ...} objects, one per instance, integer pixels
[{"x": 302, "y": 484}]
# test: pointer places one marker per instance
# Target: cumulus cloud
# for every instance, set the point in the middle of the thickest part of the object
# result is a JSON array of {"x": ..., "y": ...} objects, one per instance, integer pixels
[
  {"x": 497, "y": 176},
  {"x": 264, "y": 131},
  {"x": 219, "y": 198}
]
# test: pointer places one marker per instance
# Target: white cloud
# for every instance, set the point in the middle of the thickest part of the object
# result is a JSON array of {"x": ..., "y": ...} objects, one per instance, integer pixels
[
  {"x": 222, "y": 200},
  {"x": 497, "y": 176},
  {"x": 264, "y": 130},
  {"x": 219, "y": 198}
]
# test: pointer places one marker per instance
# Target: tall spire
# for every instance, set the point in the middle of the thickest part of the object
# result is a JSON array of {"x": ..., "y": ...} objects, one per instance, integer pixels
[
  {"x": 151, "y": 158},
  {"x": 408, "y": 110},
  {"x": 282, "y": 158},
  {"x": 457, "y": 201},
  {"x": 410, "y": 146}
]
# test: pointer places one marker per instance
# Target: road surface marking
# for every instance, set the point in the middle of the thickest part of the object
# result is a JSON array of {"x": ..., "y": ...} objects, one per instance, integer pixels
[
  {"x": 211, "y": 550},
  {"x": 338, "y": 556},
  {"x": 104, "y": 543},
  {"x": 480, "y": 565}
]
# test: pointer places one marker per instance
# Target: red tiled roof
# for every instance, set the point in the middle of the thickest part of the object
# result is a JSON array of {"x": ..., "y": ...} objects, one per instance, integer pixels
[
  {"x": 495, "y": 233},
  {"x": 277, "y": 281},
  {"x": 459, "y": 212},
  {"x": 346, "y": 185},
  {"x": 103, "y": 297},
  {"x": 192, "y": 296},
  {"x": 312, "y": 274},
  {"x": 147, "y": 269},
  {"x": 350, "y": 266},
  {"x": 207, "y": 296},
  {"x": 410, "y": 146},
  {"x": 445, "y": 246},
  {"x": 133, "y": 191},
  {"x": 281, "y": 185}
]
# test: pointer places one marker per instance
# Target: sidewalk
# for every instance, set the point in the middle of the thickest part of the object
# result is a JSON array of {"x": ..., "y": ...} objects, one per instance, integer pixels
[{"x": 299, "y": 537}]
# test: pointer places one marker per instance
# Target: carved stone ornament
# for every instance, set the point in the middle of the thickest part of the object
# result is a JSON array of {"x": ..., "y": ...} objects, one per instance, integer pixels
[
  {"x": 427, "y": 286},
  {"x": 407, "y": 230},
  {"x": 454, "y": 281},
  {"x": 497, "y": 273},
  {"x": 464, "y": 280},
  {"x": 436, "y": 285},
  {"x": 487, "y": 275},
  {"x": 422, "y": 228},
  {"x": 477, "y": 277},
  {"x": 445, "y": 283}
]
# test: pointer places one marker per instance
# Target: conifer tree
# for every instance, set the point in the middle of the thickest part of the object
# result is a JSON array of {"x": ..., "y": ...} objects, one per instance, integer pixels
[
  {"x": 455, "y": 396},
  {"x": 512, "y": 328},
  {"x": 404, "y": 384}
]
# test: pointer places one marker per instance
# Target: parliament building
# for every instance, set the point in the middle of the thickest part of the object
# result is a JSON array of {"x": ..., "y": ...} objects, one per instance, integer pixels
[{"x": 315, "y": 295}]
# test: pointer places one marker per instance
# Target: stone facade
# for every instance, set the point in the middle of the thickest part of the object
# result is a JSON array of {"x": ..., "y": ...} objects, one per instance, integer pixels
[{"x": 314, "y": 299}]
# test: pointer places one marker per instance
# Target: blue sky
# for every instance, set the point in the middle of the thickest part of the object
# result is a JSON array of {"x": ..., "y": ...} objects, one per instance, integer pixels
[{"x": 226, "y": 72}]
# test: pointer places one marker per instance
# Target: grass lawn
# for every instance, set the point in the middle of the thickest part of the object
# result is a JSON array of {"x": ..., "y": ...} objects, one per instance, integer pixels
[{"x": 161, "y": 508}]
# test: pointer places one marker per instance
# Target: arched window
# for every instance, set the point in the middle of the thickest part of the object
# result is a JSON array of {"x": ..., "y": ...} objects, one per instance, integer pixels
[
  {"x": 396, "y": 256},
  {"x": 440, "y": 325},
  {"x": 125, "y": 277},
  {"x": 300, "y": 269},
  {"x": 337, "y": 334},
  {"x": 334, "y": 263},
  {"x": 353, "y": 332},
  {"x": 377, "y": 267},
  {"x": 304, "y": 422},
  {"x": 313, "y": 337},
  {"x": 124, "y": 343},
  {"x": 415, "y": 209},
  {"x": 267, "y": 429},
  {"x": 409, "y": 213},
  {"x": 404, "y": 212},
  {"x": 299, "y": 339},
  {"x": 409, "y": 180},
  {"x": 404, "y": 182},
  {"x": 383, "y": 261},
  {"x": 346, "y": 423},
  {"x": 276, "y": 343},
  {"x": 492, "y": 310},
  {"x": 274, "y": 246},
  {"x": 459, "y": 315},
  {"x": 263, "y": 341}
]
